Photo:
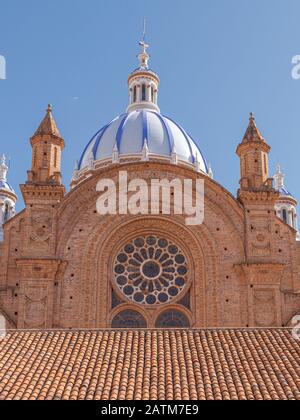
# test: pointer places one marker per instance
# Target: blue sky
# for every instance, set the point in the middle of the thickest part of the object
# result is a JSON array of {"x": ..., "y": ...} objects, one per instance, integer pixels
[{"x": 217, "y": 60}]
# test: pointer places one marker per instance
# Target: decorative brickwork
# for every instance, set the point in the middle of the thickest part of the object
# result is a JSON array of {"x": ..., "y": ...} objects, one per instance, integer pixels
[{"x": 65, "y": 266}]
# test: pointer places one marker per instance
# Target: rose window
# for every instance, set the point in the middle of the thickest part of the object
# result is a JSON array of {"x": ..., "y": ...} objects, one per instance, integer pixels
[{"x": 151, "y": 270}]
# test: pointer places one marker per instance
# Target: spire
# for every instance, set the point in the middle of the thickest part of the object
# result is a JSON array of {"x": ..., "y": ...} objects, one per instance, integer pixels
[
  {"x": 197, "y": 163},
  {"x": 47, "y": 145},
  {"x": 115, "y": 154},
  {"x": 253, "y": 152},
  {"x": 48, "y": 125},
  {"x": 210, "y": 171},
  {"x": 3, "y": 168},
  {"x": 145, "y": 151},
  {"x": 174, "y": 156},
  {"x": 252, "y": 132}
]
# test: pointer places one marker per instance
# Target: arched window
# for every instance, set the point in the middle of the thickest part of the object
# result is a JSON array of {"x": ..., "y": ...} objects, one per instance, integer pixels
[
  {"x": 143, "y": 92},
  {"x": 6, "y": 212},
  {"x": 295, "y": 221},
  {"x": 152, "y": 93},
  {"x": 284, "y": 215},
  {"x": 134, "y": 94},
  {"x": 129, "y": 319},
  {"x": 172, "y": 319}
]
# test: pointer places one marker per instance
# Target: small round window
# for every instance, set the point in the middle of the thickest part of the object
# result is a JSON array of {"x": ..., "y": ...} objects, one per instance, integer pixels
[{"x": 151, "y": 270}]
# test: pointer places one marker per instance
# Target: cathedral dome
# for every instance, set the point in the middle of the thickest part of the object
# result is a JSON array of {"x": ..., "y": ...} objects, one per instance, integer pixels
[
  {"x": 129, "y": 134},
  {"x": 142, "y": 133}
]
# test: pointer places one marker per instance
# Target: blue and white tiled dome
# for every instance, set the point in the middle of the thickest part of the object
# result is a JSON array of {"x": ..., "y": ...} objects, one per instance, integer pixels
[
  {"x": 142, "y": 133},
  {"x": 4, "y": 185},
  {"x": 8, "y": 197},
  {"x": 129, "y": 131},
  {"x": 284, "y": 192}
]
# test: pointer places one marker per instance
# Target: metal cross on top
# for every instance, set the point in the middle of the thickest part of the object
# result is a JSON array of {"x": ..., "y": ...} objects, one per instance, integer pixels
[{"x": 143, "y": 43}]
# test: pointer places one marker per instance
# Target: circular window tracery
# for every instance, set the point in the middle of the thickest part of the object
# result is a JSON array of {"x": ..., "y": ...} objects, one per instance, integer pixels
[{"x": 151, "y": 270}]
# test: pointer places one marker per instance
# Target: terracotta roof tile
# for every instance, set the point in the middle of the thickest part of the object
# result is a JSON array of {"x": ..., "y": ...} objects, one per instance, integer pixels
[
  {"x": 155, "y": 364},
  {"x": 48, "y": 125}
]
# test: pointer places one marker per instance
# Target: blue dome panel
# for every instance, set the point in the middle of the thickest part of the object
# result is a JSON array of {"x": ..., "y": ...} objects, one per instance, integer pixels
[
  {"x": 5, "y": 186},
  {"x": 132, "y": 139},
  {"x": 129, "y": 132},
  {"x": 103, "y": 148},
  {"x": 284, "y": 192},
  {"x": 159, "y": 140}
]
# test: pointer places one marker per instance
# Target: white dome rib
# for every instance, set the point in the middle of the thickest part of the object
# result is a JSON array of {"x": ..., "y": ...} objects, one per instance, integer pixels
[{"x": 129, "y": 132}]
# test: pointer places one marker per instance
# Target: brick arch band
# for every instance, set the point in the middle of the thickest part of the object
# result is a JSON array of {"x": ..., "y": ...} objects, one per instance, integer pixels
[{"x": 98, "y": 279}]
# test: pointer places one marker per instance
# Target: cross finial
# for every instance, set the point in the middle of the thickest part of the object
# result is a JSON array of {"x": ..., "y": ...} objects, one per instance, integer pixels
[
  {"x": 49, "y": 109},
  {"x": 252, "y": 116},
  {"x": 3, "y": 160},
  {"x": 279, "y": 177},
  {"x": 3, "y": 168},
  {"x": 144, "y": 29},
  {"x": 143, "y": 43}
]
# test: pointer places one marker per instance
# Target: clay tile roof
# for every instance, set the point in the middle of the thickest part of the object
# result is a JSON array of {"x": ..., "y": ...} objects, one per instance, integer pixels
[
  {"x": 48, "y": 125},
  {"x": 155, "y": 364},
  {"x": 252, "y": 133}
]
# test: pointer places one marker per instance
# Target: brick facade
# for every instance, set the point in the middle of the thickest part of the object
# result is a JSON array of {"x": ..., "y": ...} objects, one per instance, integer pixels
[{"x": 58, "y": 253}]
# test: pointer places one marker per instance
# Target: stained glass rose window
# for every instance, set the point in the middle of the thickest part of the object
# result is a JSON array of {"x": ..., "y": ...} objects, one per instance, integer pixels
[{"x": 151, "y": 270}]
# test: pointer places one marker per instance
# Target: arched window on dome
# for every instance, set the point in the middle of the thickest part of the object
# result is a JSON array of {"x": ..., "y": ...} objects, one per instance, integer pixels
[
  {"x": 294, "y": 219},
  {"x": 172, "y": 319},
  {"x": 284, "y": 216},
  {"x": 128, "y": 319},
  {"x": 6, "y": 212},
  {"x": 134, "y": 94},
  {"x": 152, "y": 94},
  {"x": 143, "y": 92}
]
